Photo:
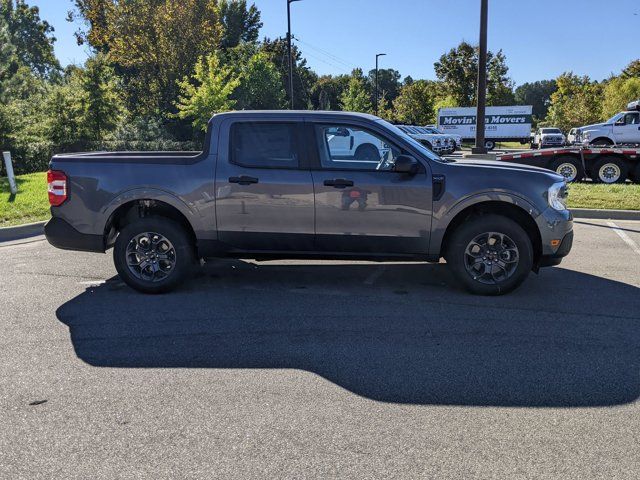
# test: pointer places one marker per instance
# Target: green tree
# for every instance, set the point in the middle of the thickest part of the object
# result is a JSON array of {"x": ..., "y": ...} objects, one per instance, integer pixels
[
  {"x": 31, "y": 36},
  {"x": 632, "y": 70},
  {"x": 239, "y": 23},
  {"x": 327, "y": 90},
  {"x": 102, "y": 104},
  {"x": 388, "y": 86},
  {"x": 303, "y": 77},
  {"x": 211, "y": 93},
  {"x": 152, "y": 44},
  {"x": 415, "y": 104},
  {"x": 538, "y": 95},
  {"x": 64, "y": 106},
  {"x": 356, "y": 97},
  {"x": 618, "y": 92},
  {"x": 576, "y": 102},
  {"x": 260, "y": 85},
  {"x": 458, "y": 70}
]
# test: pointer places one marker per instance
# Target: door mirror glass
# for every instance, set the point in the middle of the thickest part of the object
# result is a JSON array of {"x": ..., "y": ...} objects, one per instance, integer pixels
[
  {"x": 405, "y": 164},
  {"x": 338, "y": 132}
]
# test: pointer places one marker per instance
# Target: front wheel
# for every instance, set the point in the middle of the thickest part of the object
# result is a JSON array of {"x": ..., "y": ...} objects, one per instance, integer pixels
[
  {"x": 153, "y": 254},
  {"x": 489, "y": 144},
  {"x": 569, "y": 167},
  {"x": 490, "y": 255}
]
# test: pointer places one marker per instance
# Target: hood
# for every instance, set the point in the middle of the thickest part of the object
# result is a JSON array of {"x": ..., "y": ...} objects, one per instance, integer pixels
[
  {"x": 593, "y": 126},
  {"x": 501, "y": 166}
]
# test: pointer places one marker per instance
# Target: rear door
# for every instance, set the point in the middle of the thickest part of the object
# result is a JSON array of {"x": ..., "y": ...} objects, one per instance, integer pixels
[
  {"x": 264, "y": 189},
  {"x": 363, "y": 206}
]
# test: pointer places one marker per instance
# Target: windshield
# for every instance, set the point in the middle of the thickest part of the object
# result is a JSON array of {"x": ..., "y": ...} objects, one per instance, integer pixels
[
  {"x": 414, "y": 143},
  {"x": 550, "y": 130},
  {"x": 615, "y": 118}
]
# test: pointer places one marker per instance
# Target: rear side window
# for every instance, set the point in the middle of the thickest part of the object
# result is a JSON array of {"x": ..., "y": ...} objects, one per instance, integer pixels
[{"x": 264, "y": 145}]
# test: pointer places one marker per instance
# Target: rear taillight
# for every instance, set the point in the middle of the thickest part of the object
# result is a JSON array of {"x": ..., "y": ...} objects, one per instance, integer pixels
[{"x": 57, "y": 187}]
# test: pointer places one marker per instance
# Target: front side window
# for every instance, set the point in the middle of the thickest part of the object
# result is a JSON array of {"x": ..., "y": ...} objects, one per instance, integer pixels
[
  {"x": 354, "y": 148},
  {"x": 264, "y": 145}
]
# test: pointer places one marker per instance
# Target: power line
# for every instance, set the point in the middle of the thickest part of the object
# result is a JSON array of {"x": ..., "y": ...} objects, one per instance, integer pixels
[{"x": 329, "y": 55}]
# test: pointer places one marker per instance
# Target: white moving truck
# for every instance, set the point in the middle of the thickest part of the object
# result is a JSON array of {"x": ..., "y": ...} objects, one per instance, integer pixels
[{"x": 502, "y": 124}]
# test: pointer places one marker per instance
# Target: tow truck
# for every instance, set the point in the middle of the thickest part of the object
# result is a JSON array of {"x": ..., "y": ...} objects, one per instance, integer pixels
[{"x": 613, "y": 164}]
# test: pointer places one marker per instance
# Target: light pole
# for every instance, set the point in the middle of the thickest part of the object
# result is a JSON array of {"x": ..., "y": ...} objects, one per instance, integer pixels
[
  {"x": 375, "y": 95},
  {"x": 482, "y": 80},
  {"x": 289, "y": 2}
]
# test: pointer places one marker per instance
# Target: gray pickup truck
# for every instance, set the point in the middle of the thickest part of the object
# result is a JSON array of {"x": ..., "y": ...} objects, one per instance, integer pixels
[{"x": 278, "y": 184}]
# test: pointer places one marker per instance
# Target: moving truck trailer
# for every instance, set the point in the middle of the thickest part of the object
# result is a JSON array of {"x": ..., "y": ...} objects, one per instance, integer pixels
[{"x": 502, "y": 124}]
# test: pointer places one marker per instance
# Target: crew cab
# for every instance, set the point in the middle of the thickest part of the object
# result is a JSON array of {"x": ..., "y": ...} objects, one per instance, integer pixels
[
  {"x": 548, "y": 137},
  {"x": 622, "y": 128},
  {"x": 273, "y": 184}
]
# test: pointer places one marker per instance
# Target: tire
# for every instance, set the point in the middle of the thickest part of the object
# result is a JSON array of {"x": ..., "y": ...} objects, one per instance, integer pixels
[
  {"x": 488, "y": 277},
  {"x": 609, "y": 170},
  {"x": 174, "y": 255},
  {"x": 568, "y": 165},
  {"x": 602, "y": 142},
  {"x": 635, "y": 175},
  {"x": 367, "y": 152},
  {"x": 489, "y": 144}
]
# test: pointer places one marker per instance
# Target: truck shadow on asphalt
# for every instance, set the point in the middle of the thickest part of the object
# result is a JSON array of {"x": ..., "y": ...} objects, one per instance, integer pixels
[{"x": 394, "y": 333}]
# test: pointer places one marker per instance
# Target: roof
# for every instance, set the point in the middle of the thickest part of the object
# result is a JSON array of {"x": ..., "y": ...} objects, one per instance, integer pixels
[{"x": 296, "y": 113}]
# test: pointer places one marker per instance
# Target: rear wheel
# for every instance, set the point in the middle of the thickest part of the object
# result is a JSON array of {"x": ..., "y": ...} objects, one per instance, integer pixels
[
  {"x": 153, "y": 254},
  {"x": 489, "y": 144},
  {"x": 490, "y": 255},
  {"x": 609, "y": 170},
  {"x": 569, "y": 167}
]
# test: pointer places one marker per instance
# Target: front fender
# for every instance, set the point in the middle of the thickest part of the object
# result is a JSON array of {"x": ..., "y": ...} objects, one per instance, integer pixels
[{"x": 443, "y": 217}]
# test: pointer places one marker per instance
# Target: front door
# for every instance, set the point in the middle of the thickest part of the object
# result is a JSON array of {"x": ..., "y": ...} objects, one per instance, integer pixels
[
  {"x": 264, "y": 189},
  {"x": 627, "y": 129},
  {"x": 365, "y": 207}
]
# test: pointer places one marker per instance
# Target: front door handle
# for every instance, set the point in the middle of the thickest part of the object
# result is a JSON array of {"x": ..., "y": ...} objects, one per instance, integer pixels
[
  {"x": 243, "y": 180},
  {"x": 338, "y": 183}
]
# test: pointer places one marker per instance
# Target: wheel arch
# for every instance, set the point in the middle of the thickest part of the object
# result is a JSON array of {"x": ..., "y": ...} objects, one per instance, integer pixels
[
  {"x": 132, "y": 210},
  {"x": 497, "y": 207},
  {"x": 602, "y": 138}
]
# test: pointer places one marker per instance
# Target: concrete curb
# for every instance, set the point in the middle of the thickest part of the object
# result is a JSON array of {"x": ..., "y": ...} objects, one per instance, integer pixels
[
  {"x": 606, "y": 214},
  {"x": 18, "y": 232}
]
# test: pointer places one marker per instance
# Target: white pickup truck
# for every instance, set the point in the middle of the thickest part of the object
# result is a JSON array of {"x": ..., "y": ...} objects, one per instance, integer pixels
[
  {"x": 622, "y": 128},
  {"x": 436, "y": 142},
  {"x": 548, "y": 137}
]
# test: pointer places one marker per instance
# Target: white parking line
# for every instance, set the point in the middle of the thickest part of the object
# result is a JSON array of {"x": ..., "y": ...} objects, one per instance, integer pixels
[
  {"x": 375, "y": 275},
  {"x": 623, "y": 235}
]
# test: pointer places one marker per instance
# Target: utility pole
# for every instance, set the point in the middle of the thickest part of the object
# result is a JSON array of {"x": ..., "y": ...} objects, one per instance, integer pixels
[
  {"x": 289, "y": 2},
  {"x": 375, "y": 94},
  {"x": 482, "y": 80}
]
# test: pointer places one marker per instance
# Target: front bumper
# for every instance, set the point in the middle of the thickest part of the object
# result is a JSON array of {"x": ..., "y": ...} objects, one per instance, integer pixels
[
  {"x": 556, "y": 233},
  {"x": 62, "y": 235}
]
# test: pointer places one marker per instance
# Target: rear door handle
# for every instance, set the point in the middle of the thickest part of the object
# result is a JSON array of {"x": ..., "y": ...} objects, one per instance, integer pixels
[
  {"x": 338, "y": 183},
  {"x": 243, "y": 180}
]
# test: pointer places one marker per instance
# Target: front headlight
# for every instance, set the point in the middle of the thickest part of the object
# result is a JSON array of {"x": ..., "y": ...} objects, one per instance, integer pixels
[{"x": 557, "y": 196}]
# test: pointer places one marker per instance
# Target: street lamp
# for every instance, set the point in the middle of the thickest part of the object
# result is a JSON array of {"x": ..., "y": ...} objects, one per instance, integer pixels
[
  {"x": 375, "y": 96},
  {"x": 482, "y": 80},
  {"x": 289, "y": 2}
]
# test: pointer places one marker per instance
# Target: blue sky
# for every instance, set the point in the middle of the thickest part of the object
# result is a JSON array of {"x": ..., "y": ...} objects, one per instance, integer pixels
[{"x": 540, "y": 38}]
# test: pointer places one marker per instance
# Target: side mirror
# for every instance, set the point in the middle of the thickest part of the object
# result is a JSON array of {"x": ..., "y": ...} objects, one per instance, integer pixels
[
  {"x": 405, "y": 164},
  {"x": 342, "y": 132},
  {"x": 620, "y": 123}
]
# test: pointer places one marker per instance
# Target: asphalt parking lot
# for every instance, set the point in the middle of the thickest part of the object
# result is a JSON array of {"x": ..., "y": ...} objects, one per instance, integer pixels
[{"x": 321, "y": 369}]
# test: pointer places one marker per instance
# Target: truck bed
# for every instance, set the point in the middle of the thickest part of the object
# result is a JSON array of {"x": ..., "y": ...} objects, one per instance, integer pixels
[{"x": 164, "y": 157}]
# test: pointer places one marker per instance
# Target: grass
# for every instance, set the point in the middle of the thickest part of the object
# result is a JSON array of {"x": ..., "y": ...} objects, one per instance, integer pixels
[
  {"x": 610, "y": 197},
  {"x": 30, "y": 204}
]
